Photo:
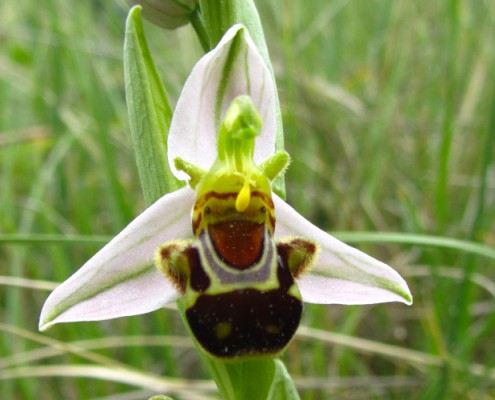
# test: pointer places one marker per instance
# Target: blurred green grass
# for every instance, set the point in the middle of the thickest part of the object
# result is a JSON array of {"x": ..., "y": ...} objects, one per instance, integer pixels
[{"x": 389, "y": 116}]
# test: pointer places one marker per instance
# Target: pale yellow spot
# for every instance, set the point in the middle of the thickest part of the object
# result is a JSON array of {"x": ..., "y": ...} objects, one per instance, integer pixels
[
  {"x": 223, "y": 330},
  {"x": 270, "y": 328}
]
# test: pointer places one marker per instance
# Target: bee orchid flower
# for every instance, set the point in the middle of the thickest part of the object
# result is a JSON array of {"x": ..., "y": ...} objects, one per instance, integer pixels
[{"x": 239, "y": 256}]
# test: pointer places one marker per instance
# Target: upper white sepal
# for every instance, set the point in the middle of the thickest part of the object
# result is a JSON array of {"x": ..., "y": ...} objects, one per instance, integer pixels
[{"x": 231, "y": 69}]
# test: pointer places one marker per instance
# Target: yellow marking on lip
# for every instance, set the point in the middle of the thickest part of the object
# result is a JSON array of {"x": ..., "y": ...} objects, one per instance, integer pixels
[
  {"x": 244, "y": 197},
  {"x": 271, "y": 328},
  {"x": 223, "y": 330}
]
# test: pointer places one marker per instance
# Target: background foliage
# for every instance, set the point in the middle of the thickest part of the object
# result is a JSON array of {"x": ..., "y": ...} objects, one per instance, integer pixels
[{"x": 389, "y": 115}]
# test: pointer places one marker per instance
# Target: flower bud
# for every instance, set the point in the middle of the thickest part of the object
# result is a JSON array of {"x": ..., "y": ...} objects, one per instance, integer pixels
[{"x": 169, "y": 14}]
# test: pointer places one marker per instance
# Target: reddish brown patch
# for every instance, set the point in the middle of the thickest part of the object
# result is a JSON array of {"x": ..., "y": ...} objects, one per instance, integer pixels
[{"x": 238, "y": 243}]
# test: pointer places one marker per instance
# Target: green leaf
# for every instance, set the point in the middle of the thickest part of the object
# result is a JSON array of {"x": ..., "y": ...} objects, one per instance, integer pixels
[{"x": 149, "y": 112}]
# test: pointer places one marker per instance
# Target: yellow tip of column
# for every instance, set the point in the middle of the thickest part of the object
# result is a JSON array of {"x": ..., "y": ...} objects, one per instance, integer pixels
[{"x": 243, "y": 198}]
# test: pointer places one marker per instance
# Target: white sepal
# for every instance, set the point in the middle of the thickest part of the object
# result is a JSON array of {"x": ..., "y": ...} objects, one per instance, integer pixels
[
  {"x": 341, "y": 274},
  {"x": 121, "y": 279},
  {"x": 233, "y": 68}
]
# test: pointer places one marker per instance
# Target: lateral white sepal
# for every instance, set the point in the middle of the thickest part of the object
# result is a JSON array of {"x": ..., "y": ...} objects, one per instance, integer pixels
[
  {"x": 341, "y": 274},
  {"x": 121, "y": 279}
]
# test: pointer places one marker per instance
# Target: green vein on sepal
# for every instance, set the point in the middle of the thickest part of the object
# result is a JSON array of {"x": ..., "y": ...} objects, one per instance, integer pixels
[{"x": 69, "y": 303}]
